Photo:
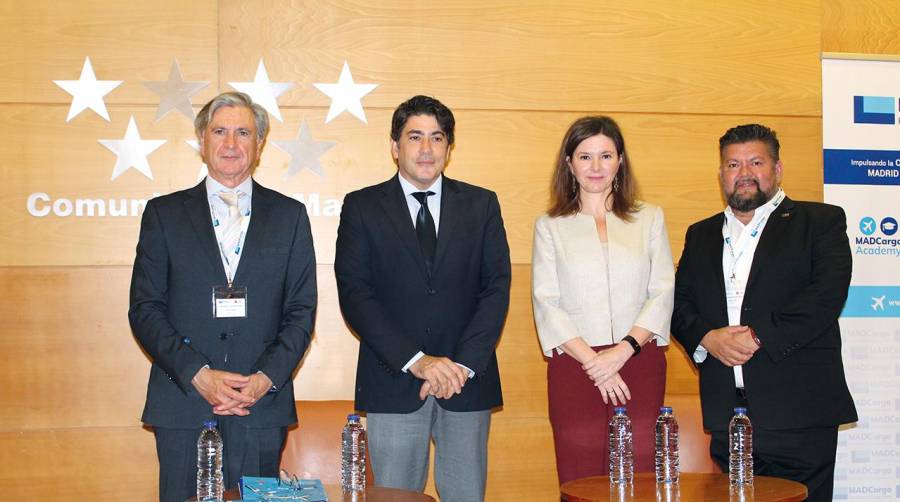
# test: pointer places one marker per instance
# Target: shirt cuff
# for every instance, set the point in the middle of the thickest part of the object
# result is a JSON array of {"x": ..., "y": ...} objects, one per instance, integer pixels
[
  {"x": 700, "y": 354},
  {"x": 468, "y": 370},
  {"x": 419, "y": 355}
]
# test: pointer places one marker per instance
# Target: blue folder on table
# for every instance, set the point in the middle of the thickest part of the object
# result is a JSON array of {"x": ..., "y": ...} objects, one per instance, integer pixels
[{"x": 254, "y": 489}]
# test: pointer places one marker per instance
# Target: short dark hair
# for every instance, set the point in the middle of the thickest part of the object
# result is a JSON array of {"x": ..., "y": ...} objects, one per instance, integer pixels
[
  {"x": 750, "y": 132},
  {"x": 423, "y": 105},
  {"x": 564, "y": 199}
]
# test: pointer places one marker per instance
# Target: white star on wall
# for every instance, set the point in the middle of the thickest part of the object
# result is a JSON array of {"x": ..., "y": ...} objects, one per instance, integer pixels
[
  {"x": 263, "y": 91},
  {"x": 203, "y": 169},
  {"x": 175, "y": 93},
  {"x": 304, "y": 151},
  {"x": 132, "y": 151},
  {"x": 87, "y": 91},
  {"x": 346, "y": 96}
]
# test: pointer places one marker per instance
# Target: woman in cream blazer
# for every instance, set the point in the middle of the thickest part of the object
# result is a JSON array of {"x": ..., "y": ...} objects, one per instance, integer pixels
[{"x": 602, "y": 291}]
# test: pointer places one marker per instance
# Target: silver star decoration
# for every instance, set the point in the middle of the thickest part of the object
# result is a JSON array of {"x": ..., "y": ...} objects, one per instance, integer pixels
[
  {"x": 132, "y": 151},
  {"x": 346, "y": 95},
  {"x": 204, "y": 171},
  {"x": 87, "y": 91},
  {"x": 263, "y": 91},
  {"x": 304, "y": 151},
  {"x": 175, "y": 93}
]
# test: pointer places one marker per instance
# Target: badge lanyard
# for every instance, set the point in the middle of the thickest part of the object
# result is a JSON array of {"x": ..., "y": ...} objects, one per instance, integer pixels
[
  {"x": 745, "y": 242},
  {"x": 230, "y": 261}
]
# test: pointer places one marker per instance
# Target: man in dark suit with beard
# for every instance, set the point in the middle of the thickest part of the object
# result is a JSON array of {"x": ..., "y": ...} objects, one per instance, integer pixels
[
  {"x": 223, "y": 297},
  {"x": 423, "y": 277},
  {"x": 758, "y": 292}
]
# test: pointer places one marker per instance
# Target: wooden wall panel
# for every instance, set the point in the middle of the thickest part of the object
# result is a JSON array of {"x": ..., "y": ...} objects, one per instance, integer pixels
[
  {"x": 45, "y": 40},
  {"x": 512, "y": 153},
  {"x": 106, "y": 463},
  {"x": 85, "y": 338},
  {"x": 861, "y": 26},
  {"x": 691, "y": 56}
]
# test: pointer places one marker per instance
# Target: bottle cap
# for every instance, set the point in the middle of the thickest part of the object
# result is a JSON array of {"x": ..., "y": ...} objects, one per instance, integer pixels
[
  {"x": 665, "y": 409},
  {"x": 210, "y": 424},
  {"x": 619, "y": 410},
  {"x": 740, "y": 410}
]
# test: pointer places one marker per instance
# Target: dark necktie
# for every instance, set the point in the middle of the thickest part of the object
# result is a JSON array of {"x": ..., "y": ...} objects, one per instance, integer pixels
[{"x": 425, "y": 228}]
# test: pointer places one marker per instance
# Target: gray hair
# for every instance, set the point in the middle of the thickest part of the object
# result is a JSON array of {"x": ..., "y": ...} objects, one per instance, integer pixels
[{"x": 204, "y": 117}]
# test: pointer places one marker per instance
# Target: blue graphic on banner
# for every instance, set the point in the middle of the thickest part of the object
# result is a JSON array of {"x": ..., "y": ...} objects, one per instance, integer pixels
[
  {"x": 862, "y": 167},
  {"x": 874, "y": 110},
  {"x": 872, "y": 301}
]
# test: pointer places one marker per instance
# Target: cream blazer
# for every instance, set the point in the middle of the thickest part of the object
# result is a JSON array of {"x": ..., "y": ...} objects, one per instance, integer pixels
[{"x": 575, "y": 293}]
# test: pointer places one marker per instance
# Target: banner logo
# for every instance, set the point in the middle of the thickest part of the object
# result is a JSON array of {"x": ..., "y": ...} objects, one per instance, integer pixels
[{"x": 874, "y": 110}]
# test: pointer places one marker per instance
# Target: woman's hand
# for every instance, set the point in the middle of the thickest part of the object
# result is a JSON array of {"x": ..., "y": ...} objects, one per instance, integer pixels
[
  {"x": 614, "y": 389},
  {"x": 607, "y": 363}
]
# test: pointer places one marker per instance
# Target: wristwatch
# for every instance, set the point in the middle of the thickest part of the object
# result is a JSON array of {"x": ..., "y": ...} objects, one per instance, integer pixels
[{"x": 634, "y": 344}]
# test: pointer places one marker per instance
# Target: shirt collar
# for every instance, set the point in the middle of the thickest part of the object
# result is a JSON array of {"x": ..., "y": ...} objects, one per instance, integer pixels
[
  {"x": 213, "y": 187},
  {"x": 409, "y": 188}
]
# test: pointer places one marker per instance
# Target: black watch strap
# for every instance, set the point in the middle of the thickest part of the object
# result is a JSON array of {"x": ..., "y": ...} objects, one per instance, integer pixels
[{"x": 634, "y": 344}]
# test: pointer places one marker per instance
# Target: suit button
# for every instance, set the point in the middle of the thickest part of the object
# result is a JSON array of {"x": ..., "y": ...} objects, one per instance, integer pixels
[
  {"x": 432, "y": 291},
  {"x": 223, "y": 336},
  {"x": 186, "y": 340}
]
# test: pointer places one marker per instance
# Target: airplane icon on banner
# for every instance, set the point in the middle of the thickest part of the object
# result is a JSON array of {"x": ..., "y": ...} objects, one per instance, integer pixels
[{"x": 879, "y": 303}]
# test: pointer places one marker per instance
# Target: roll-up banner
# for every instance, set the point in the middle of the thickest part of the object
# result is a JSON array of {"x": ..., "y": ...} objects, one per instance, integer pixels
[{"x": 861, "y": 151}]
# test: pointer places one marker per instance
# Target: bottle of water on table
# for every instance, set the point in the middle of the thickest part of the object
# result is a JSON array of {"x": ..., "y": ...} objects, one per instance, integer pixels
[
  {"x": 666, "y": 446},
  {"x": 353, "y": 455},
  {"x": 210, "y": 481},
  {"x": 740, "y": 446},
  {"x": 621, "y": 456}
]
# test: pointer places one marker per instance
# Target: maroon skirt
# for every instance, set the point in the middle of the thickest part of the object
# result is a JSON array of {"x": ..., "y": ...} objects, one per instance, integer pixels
[{"x": 580, "y": 420}]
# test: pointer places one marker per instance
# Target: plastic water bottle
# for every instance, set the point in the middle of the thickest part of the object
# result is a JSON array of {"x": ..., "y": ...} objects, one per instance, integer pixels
[
  {"x": 210, "y": 482},
  {"x": 740, "y": 446},
  {"x": 353, "y": 455},
  {"x": 621, "y": 456},
  {"x": 666, "y": 446}
]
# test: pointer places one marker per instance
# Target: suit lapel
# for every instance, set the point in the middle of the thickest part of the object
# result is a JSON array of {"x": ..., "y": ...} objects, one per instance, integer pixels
[
  {"x": 713, "y": 250},
  {"x": 776, "y": 226},
  {"x": 450, "y": 198},
  {"x": 259, "y": 222},
  {"x": 197, "y": 208},
  {"x": 397, "y": 212}
]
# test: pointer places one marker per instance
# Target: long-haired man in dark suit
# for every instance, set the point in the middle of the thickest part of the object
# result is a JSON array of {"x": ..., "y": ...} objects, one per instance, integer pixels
[
  {"x": 758, "y": 292},
  {"x": 423, "y": 277}
]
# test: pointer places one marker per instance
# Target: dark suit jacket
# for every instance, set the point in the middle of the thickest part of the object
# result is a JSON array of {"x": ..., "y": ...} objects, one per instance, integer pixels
[
  {"x": 795, "y": 292},
  {"x": 177, "y": 265},
  {"x": 397, "y": 308}
]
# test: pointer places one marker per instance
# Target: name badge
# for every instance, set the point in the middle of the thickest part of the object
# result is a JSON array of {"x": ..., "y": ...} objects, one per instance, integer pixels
[
  {"x": 229, "y": 301},
  {"x": 734, "y": 298}
]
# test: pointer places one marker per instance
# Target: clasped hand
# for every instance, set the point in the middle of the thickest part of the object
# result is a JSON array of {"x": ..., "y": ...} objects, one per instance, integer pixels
[
  {"x": 732, "y": 345},
  {"x": 443, "y": 377},
  {"x": 603, "y": 370},
  {"x": 231, "y": 393}
]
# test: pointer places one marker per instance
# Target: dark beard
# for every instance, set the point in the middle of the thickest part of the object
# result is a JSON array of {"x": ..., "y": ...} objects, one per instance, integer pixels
[{"x": 747, "y": 204}]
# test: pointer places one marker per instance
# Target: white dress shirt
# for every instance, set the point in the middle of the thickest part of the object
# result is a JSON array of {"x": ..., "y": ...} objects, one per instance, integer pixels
[
  {"x": 738, "y": 248},
  {"x": 218, "y": 209}
]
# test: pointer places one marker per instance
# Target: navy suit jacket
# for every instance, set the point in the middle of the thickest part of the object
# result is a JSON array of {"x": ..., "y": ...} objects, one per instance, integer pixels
[
  {"x": 795, "y": 292},
  {"x": 398, "y": 308},
  {"x": 177, "y": 265}
]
